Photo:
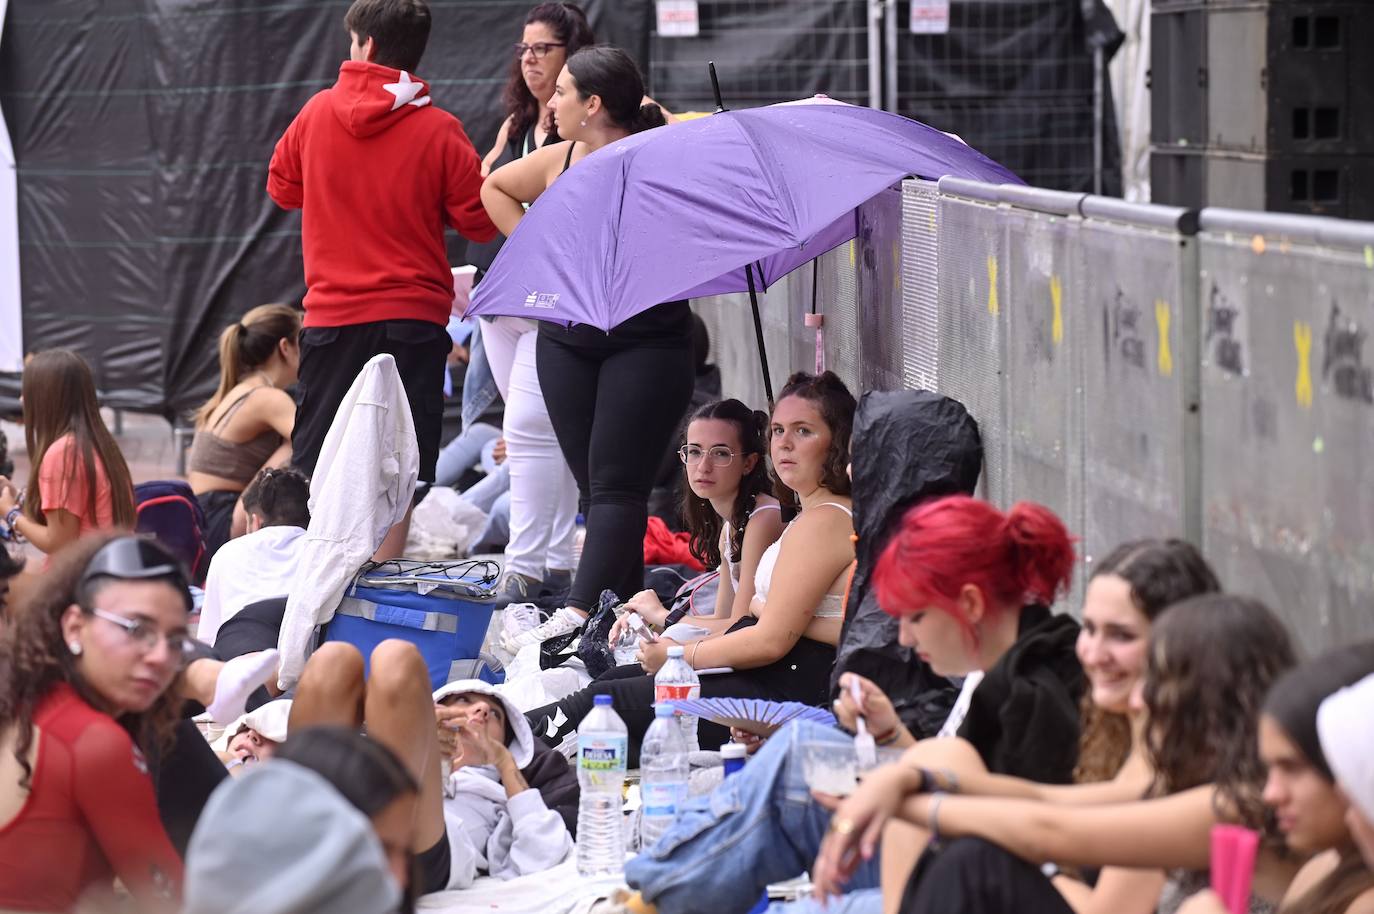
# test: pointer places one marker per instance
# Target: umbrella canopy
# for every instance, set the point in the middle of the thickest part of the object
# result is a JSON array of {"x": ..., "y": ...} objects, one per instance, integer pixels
[{"x": 679, "y": 212}]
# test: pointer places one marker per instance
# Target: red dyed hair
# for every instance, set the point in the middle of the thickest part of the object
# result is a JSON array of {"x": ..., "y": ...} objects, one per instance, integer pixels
[{"x": 1022, "y": 556}]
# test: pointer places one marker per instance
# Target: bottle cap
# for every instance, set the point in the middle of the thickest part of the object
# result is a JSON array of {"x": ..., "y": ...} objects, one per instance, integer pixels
[
  {"x": 580, "y": 520},
  {"x": 662, "y": 709},
  {"x": 676, "y": 650},
  {"x": 602, "y": 700},
  {"x": 733, "y": 751}
]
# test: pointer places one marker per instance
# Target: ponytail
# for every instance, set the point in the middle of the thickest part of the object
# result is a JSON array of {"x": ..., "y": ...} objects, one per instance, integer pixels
[
  {"x": 1023, "y": 556},
  {"x": 650, "y": 116},
  {"x": 246, "y": 346}
]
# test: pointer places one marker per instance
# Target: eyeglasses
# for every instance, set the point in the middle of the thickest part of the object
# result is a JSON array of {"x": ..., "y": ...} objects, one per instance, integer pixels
[
  {"x": 540, "y": 48},
  {"x": 146, "y": 635},
  {"x": 720, "y": 456}
]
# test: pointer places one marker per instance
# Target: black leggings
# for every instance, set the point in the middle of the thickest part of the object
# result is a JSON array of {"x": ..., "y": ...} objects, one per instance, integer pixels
[
  {"x": 974, "y": 876},
  {"x": 802, "y": 675},
  {"x": 615, "y": 401}
]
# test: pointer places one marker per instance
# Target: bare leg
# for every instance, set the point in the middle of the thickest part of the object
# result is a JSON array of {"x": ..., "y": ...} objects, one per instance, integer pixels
[
  {"x": 198, "y": 682},
  {"x": 330, "y": 691},
  {"x": 394, "y": 546},
  {"x": 400, "y": 715}
]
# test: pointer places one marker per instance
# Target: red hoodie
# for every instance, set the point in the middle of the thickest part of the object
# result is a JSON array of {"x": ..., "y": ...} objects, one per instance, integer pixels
[{"x": 378, "y": 171}]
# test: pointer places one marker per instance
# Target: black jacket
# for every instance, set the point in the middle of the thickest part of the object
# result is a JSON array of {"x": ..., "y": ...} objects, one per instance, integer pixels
[
  {"x": 550, "y": 774},
  {"x": 1024, "y": 715},
  {"x": 908, "y": 446}
]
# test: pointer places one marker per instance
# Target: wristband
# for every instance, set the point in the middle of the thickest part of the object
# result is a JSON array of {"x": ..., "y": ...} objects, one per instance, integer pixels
[
  {"x": 951, "y": 780},
  {"x": 888, "y": 738},
  {"x": 933, "y": 818}
]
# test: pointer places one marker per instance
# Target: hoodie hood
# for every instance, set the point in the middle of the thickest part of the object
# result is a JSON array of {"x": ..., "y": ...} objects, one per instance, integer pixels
[
  {"x": 521, "y": 745},
  {"x": 318, "y": 854},
  {"x": 369, "y": 98},
  {"x": 269, "y": 719},
  {"x": 908, "y": 446}
]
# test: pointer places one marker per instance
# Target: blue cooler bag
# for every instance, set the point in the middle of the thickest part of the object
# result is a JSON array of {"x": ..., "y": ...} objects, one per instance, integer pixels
[{"x": 443, "y": 608}]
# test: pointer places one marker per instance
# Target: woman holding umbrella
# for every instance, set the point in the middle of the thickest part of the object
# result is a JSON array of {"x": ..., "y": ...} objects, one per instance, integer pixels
[{"x": 614, "y": 398}]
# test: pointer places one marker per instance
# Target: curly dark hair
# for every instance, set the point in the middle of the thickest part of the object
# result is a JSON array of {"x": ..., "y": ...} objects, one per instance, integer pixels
[
  {"x": 1160, "y": 573},
  {"x": 836, "y": 405},
  {"x": 703, "y": 523},
  {"x": 569, "y": 25},
  {"x": 1212, "y": 661},
  {"x": 33, "y": 659}
]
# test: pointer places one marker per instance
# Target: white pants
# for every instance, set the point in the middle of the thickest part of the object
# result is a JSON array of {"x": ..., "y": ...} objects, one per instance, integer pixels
[{"x": 543, "y": 493}]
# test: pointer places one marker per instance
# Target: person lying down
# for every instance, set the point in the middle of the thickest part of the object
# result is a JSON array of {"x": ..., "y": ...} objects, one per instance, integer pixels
[
  {"x": 255, "y": 736},
  {"x": 497, "y": 824}
]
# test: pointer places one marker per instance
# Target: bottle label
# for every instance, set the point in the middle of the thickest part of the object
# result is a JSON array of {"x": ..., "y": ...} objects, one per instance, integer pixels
[
  {"x": 660, "y": 799},
  {"x": 603, "y": 756},
  {"x": 675, "y": 692}
]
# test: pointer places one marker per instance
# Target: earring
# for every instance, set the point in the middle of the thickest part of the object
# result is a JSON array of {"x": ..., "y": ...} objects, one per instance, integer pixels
[
  {"x": 584, "y": 123},
  {"x": 74, "y": 647}
]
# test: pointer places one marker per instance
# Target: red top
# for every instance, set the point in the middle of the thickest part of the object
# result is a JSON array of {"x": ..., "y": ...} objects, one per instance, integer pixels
[
  {"x": 378, "y": 172},
  {"x": 91, "y": 815},
  {"x": 62, "y": 484}
]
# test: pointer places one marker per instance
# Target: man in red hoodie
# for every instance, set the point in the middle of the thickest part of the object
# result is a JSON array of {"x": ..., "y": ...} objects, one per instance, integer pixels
[{"x": 378, "y": 171}]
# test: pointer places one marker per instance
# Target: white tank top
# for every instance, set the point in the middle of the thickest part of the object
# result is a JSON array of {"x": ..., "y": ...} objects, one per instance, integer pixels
[
  {"x": 831, "y": 605},
  {"x": 726, "y": 550}
]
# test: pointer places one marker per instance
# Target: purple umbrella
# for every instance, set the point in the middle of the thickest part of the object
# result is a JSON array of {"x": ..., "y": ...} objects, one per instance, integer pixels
[{"x": 702, "y": 207}]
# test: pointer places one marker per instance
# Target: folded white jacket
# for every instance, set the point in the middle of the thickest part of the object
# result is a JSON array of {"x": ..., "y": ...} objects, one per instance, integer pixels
[{"x": 363, "y": 485}]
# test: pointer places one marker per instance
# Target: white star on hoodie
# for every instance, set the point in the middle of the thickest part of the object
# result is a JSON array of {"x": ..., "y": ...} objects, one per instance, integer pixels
[{"x": 405, "y": 92}]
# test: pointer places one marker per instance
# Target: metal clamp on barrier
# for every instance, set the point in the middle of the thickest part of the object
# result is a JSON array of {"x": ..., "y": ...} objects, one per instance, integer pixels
[{"x": 398, "y": 615}]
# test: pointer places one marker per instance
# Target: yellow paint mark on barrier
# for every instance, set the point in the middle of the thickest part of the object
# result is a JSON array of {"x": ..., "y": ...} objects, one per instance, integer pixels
[
  {"x": 1369, "y": 256},
  {"x": 896, "y": 268},
  {"x": 994, "y": 307},
  {"x": 1057, "y": 299},
  {"x": 853, "y": 259},
  {"x": 1302, "y": 341},
  {"x": 1165, "y": 360},
  {"x": 1257, "y": 244}
]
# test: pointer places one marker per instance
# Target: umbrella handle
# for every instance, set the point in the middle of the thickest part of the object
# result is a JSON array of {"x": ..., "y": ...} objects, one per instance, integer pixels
[{"x": 818, "y": 321}]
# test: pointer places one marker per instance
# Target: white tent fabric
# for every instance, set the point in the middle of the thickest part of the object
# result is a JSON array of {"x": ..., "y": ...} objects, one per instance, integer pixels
[{"x": 11, "y": 324}]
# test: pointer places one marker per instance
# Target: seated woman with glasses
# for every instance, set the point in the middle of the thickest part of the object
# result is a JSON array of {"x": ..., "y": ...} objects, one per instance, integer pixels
[
  {"x": 88, "y": 683},
  {"x": 730, "y": 515},
  {"x": 782, "y": 649}
]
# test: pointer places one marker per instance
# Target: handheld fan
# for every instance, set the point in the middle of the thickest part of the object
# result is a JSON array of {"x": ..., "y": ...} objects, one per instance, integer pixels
[{"x": 754, "y": 715}]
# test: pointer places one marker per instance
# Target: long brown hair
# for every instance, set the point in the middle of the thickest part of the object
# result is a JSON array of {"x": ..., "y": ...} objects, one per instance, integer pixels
[
  {"x": 703, "y": 523},
  {"x": 34, "y": 659},
  {"x": 59, "y": 399},
  {"x": 836, "y": 405},
  {"x": 1160, "y": 572},
  {"x": 1204, "y": 702},
  {"x": 246, "y": 346}
]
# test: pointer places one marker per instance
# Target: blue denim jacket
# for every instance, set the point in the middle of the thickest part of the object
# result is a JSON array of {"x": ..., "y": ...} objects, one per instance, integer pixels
[{"x": 479, "y": 385}]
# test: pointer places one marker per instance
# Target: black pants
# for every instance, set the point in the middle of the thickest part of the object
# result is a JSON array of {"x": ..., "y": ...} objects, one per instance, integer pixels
[
  {"x": 802, "y": 675},
  {"x": 615, "y": 401},
  {"x": 974, "y": 876},
  {"x": 332, "y": 357},
  {"x": 218, "y": 506}
]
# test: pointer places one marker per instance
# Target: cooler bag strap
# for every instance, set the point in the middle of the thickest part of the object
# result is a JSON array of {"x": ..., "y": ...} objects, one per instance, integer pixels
[{"x": 398, "y": 615}]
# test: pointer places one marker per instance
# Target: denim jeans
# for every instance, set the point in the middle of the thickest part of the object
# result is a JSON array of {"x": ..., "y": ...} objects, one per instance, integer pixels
[
  {"x": 464, "y": 452},
  {"x": 479, "y": 386},
  {"x": 759, "y": 827}
]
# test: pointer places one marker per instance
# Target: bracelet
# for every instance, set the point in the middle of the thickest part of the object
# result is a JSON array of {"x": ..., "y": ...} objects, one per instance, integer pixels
[
  {"x": 888, "y": 738},
  {"x": 951, "y": 780},
  {"x": 692, "y": 660},
  {"x": 933, "y": 818}
]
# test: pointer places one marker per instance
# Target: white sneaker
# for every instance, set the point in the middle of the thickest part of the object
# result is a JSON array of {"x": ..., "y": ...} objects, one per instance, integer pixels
[
  {"x": 519, "y": 618},
  {"x": 563, "y": 622}
]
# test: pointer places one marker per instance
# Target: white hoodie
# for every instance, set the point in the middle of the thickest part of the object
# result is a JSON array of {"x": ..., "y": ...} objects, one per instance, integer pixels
[{"x": 489, "y": 832}]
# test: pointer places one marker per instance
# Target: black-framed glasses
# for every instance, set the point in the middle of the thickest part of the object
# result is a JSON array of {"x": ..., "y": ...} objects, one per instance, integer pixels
[
  {"x": 146, "y": 635},
  {"x": 720, "y": 456},
  {"x": 539, "y": 48}
]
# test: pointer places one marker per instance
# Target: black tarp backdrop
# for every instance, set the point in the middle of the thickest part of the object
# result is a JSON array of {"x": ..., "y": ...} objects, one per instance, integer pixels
[{"x": 143, "y": 129}]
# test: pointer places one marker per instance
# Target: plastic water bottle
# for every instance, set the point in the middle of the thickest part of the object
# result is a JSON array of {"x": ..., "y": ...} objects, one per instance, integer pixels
[
  {"x": 676, "y": 681},
  {"x": 732, "y": 754},
  {"x": 663, "y": 770},
  {"x": 579, "y": 537},
  {"x": 602, "y": 748}
]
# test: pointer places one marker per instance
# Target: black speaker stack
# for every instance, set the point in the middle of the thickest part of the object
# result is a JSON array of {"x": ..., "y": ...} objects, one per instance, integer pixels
[{"x": 1263, "y": 104}]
